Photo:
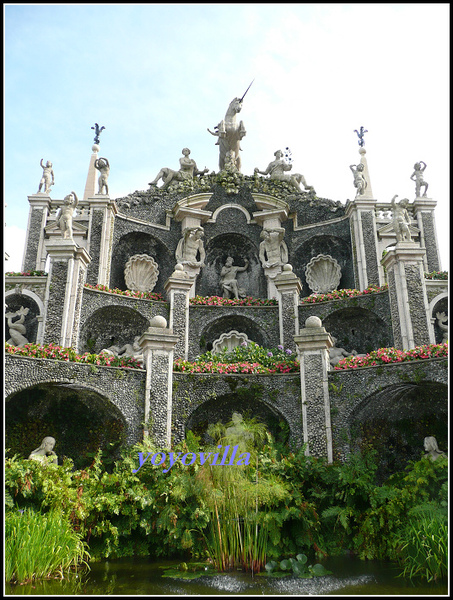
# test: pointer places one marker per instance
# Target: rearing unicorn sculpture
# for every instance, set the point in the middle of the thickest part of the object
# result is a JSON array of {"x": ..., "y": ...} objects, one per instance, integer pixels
[{"x": 230, "y": 133}]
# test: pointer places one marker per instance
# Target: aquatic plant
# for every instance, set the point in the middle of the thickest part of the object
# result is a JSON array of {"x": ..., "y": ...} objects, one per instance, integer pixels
[{"x": 40, "y": 545}]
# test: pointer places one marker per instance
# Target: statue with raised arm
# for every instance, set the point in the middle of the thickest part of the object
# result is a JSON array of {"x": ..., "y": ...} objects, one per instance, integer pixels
[
  {"x": 187, "y": 170},
  {"x": 273, "y": 251},
  {"x": 65, "y": 214},
  {"x": 17, "y": 328},
  {"x": 401, "y": 219},
  {"x": 360, "y": 183},
  {"x": 45, "y": 453},
  {"x": 47, "y": 179},
  {"x": 417, "y": 176},
  {"x": 277, "y": 170},
  {"x": 230, "y": 133},
  {"x": 102, "y": 165},
  {"x": 228, "y": 280},
  {"x": 190, "y": 250}
]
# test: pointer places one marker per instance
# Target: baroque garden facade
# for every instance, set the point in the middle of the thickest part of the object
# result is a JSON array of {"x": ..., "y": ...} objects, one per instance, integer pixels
[{"x": 226, "y": 234}]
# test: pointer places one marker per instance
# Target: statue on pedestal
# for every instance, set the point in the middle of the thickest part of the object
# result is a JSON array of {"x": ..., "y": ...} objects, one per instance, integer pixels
[
  {"x": 276, "y": 170},
  {"x": 190, "y": 250},
  {"x": 47, "y": 179},
  {"x": 188, "y": 170},
  {"x": 417, "y": 176},
  {"x": 45, "y": 453},
  {"x": 273, "y": 250},
  {"x": 360, "y": 183},
  {"x": 230, "y": 133},
  {"x": 228, "y": 279},
  {"x": 65, "y": 214},
  {"x": 401, "y": 219},
  {"x": 102, "y": 165}
]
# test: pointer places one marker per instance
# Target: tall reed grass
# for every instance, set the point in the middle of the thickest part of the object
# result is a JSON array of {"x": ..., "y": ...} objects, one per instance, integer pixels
[{"x": 40, "y": 545}]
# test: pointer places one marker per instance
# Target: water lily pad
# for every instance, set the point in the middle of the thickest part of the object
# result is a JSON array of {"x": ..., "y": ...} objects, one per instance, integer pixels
[{"x": 319, "y": 570}]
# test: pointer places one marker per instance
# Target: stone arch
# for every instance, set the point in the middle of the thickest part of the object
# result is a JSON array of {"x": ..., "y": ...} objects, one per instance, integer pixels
[
  {"x": 139, "y": 242},
  {"x": 439, "y": 304},
  {"x": 221, "y": 408},
  {"x": 395, "y": 420},
  {"x": 239, "y": 247},
  {"x": 240, "y": 323},
  {"x": 34, "y": 319},
  {"x": 358, "y": 329},
  {"x": 334, "y": 246},
  {"x": 111, "y": 325},
  {"x": 80, "y": 417},
  {"x": 216, "y": 214}
]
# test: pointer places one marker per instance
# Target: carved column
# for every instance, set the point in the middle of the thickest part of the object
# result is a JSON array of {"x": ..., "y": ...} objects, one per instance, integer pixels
[
  {"x": 288, "y": 286},
  {"x": 67, "y": 275},
  {"x": 313, "y": 343},
  {"x": 157, "y": 344},
  {"x": 424, "y": 213},
  {"x": 178, "y": 289},
  {"x": 35, "y": 253},
  {"x": 409, "y": 309}
]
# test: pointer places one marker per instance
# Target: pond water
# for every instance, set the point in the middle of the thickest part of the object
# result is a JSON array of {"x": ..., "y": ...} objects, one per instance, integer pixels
[{"x": 140, "y": 577}]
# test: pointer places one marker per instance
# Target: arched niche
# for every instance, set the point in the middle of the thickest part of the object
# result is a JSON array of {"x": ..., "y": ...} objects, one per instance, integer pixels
[
  {"x": 239, "y": 323},
  {"x": 135, "y": 243},
  {"x": 359, "y": 329},
  {"x": 331, "y": 245},
  {"x": 439, "y": 306},
  {"x": 112, "y": 325},
  {"x": 239, "y": 247},
  {"x": 395, "y": 420},
  {"x": 34, "y": 317},
  {"x": 81, "y": 420}
]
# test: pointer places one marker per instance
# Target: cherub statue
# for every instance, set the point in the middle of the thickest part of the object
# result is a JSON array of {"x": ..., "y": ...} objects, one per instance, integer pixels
[
  {"x": 360, "y": 183},
  {"x": 276, "y": 170},
  {"x": 17, "y": 329},
  {"x": 401, "y": 219},
  {"x": 190, "y": 250},
  {"x": 273, "y": 250},
  {"x": 432, "y": 449},
  {"x": 442, "y": 318},
  {"x": 45, "y": 453},
  {"x": 47, "y": 179},
  {"x": 228, "y": 279},
  {"x": 188, "y": 170},
  {"x": 102, "y": 165},
  {"x": 128, "y": 350},
  {"x": 65, "y": 214},
  {"x": 417, "y": 176}
]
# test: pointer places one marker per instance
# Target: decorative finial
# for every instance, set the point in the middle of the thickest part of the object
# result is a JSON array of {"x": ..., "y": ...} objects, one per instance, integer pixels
[
  {"x": 288, "y": 156},
  {"x": 361, "y": 133},
  {"x": 97, "y": 131}
]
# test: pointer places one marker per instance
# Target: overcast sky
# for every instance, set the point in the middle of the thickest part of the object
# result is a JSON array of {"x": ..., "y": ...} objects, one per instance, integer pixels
[{"x": 156, "y": 76}]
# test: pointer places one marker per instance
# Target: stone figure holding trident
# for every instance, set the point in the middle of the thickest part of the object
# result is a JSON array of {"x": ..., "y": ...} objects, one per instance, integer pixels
[{"x": 230, "y": 133}]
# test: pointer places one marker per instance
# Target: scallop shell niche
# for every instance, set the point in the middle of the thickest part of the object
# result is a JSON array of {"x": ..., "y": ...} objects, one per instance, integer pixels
[
  {"x": 141, "y": 273},
  {"x": 323, "y": 274}
]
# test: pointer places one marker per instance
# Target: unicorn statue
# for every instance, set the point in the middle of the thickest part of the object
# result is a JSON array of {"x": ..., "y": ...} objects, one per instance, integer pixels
[{"x": 230, "y": 134}]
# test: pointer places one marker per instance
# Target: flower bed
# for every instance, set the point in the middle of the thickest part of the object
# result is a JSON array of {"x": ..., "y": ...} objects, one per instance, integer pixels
[
  {"x": 26, "y": 274},
  {"x": 437, "y": 275},
  {"x": 129, "y": 293},
  {"x": 219, "y": 301},
  {"x": 246, "y": 358},
  {"x": 69, "y": 355},
  {"x": 340, "y": 294},
  {"x": 384, "y": 356}
]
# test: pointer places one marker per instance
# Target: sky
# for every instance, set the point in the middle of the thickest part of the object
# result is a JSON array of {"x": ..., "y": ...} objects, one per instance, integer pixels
[{"x": 156, "y": 76}]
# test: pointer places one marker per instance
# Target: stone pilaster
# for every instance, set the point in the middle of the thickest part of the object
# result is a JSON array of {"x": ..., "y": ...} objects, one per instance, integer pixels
[
  {"x": 158, "y": 344},
  {"x": 178, "y": 289},
  {"x": 67, "y": 275},
  {"x": 288, "y": 286},
  {"x": 313, "y": 343},
  {"x": 362, "y": 218},
  {"x": 35, "y": 254},
  {"x": 424, "y": 214},
  {"x": 408, "y": 298},
  {"x": 102, "y": 211}
]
